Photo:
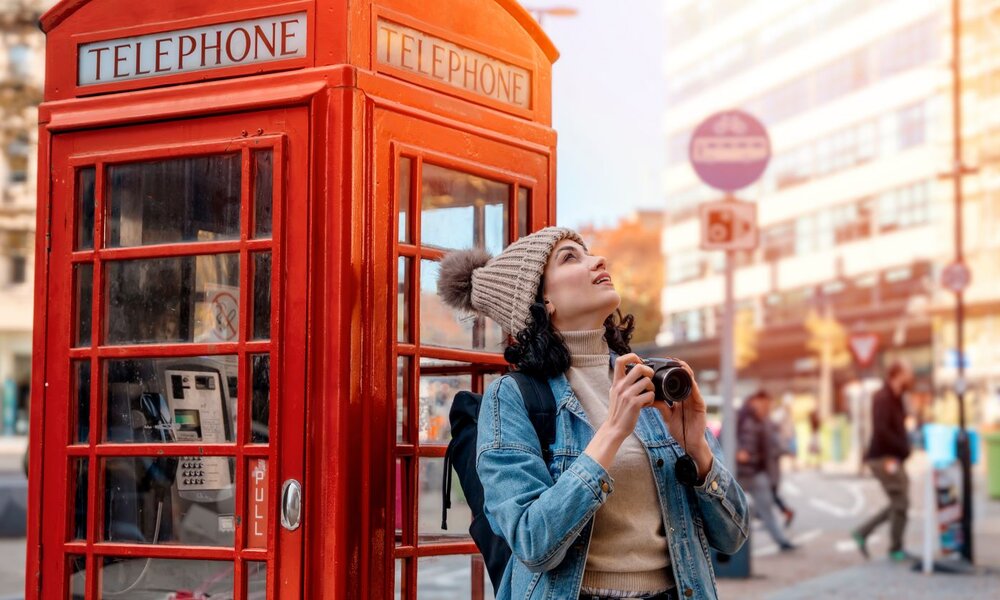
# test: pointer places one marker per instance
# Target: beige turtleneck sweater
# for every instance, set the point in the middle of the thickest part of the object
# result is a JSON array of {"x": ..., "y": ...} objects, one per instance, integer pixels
[{"x": 628, "y": 550}]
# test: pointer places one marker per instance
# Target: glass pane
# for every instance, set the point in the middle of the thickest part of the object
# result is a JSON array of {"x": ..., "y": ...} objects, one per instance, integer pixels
[
  {"x": 403, "y": 198},
  {"x": 442, "y": 326},
  {"x": 258, "y": 511},
  {"x": 169, "y": 500},
  {"x": 403, "y": 284},
  {"x": 429, "y": 503},
  {"x": 404, "y": 528},
  {"x": 159, "y": 578},
  {"x": 76, "y": 568},
  {"x": 262, "y": 296},
  {"x": 195, "y": 199},
  {"x": 459, "y": 210},
  {"x": 85, "y": 208},
  {"x": 163, "y": 400},
  {"x": 81, "y": 388},
  {"x": 84, "y": 302},
  {"x": 263, "y": 185},
  {"x": 398, "y": 577},
  {"x": 78, "y": 473},
  {"x": 260, "y": 406},
  {"x": 183, "y": 299},
  {"x": 436, "y": 394},
  {"x": 447, "y": 577},
  {"x": 256, "y": 573},
  {"x": 523, "y": 197},
  {"x": 402, "y": 398}
]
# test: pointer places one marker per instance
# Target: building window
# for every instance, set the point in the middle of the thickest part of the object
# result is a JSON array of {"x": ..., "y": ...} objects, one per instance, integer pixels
[
  {"x": 904, "y": 207},
  {"x": 911, "y": 126},
  {"x": 18, "y": 269},
  {"x": 17, "y": 158},
  {"x": 778, "y": 241},
  {"x": 685, "y": 266},
  {"x": 21, "y": 61}
]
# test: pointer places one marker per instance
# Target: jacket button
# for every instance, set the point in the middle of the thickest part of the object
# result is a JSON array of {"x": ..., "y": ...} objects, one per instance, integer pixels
[
  {"x": 715, "y": 486},
  {"x": 605, "y": 487},
  {"x": 688, "y": 592},
  {"x": 659, "y": 462}
]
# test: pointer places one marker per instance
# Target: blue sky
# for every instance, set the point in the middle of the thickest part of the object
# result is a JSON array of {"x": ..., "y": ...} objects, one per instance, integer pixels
[{"x": 608, "y": 96}]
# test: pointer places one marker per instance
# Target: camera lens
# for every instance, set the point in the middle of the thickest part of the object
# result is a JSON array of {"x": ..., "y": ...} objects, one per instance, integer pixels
[{"x": 677, "y": 384}]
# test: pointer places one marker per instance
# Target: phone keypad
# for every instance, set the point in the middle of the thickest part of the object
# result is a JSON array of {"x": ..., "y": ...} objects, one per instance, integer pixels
[{"x": 192, "y": 471}]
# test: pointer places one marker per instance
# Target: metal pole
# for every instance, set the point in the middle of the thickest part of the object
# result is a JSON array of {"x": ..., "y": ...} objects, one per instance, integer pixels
[
  {"x": 728, "y": 371},
  {"x": 962, "y": 443}
]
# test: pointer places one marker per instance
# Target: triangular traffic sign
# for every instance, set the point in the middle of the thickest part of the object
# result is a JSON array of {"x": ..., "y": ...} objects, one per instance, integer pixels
[{"x": 863, "y": 347}]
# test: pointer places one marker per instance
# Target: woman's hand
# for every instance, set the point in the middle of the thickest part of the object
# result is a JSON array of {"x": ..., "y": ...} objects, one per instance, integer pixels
[
  {"x": 689, "y": 422},
  {"x": 630, "y": 393}
]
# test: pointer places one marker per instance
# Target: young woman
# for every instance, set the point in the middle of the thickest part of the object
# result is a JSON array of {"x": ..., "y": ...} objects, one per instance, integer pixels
[{"x": 606, "y": 516}]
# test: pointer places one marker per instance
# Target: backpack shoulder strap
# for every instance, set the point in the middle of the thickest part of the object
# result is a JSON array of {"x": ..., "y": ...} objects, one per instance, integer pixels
[{"x": 541, "y": 405}]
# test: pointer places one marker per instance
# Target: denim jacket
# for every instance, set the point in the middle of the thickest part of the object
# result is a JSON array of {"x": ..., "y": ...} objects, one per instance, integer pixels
[{"x": 545, "y": 509}]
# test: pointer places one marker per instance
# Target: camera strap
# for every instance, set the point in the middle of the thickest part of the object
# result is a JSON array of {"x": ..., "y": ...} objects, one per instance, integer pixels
[{"x": 686, "y": 469}]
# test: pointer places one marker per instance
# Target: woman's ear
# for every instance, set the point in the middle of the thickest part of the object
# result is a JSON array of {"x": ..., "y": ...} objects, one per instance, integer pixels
[{"x": 549, "y": 308}]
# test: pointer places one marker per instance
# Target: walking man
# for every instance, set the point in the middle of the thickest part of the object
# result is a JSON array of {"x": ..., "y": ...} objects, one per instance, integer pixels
[
  {"x": 756, "y": 438},
  {"x": 889, "y": 447}
]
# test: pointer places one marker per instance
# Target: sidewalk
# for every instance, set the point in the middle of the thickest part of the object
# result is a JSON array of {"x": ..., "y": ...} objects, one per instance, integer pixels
[{"x": 879, "y": 578}]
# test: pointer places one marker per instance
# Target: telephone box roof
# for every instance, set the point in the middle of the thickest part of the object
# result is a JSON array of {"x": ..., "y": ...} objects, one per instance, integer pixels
[{"x": 65, "y": 9}]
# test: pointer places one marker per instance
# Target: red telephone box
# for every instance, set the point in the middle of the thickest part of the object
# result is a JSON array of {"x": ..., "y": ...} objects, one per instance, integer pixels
[{"x": 242, "y": 370}]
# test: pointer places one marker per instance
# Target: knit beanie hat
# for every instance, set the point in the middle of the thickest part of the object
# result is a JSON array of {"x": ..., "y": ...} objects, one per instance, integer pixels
[{"x": 504, "y": 287}]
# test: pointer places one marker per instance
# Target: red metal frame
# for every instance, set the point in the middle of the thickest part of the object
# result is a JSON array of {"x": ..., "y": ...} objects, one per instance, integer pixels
[{"x": 344, "y": 126}]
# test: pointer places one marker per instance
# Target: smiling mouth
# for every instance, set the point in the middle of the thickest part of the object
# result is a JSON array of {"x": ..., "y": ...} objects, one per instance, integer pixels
[{"x": 602, "y": 280}]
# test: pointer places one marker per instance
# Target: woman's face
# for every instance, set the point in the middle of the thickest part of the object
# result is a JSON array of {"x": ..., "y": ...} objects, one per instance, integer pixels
[{"x": 578, "y": 288}]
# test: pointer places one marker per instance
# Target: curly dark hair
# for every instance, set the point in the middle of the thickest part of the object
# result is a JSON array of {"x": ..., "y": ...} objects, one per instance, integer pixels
[{"x": 540, "y": 350}]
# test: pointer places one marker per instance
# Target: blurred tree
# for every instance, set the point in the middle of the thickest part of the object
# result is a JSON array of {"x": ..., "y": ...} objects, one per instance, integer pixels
[
  {"x": 828, "y": 340},
  {"x": 636, "y": 265},
  {"x": 745, "y": 338}
]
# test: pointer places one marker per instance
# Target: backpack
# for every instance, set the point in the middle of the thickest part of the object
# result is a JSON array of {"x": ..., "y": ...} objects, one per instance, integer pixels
[{"x": 461, "y": 455}]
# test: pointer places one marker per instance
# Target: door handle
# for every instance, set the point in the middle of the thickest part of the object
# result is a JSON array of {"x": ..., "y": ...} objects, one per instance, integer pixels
[{"x": 291, "y": 504}]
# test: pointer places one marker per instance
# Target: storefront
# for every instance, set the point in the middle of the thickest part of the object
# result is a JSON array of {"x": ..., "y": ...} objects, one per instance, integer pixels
[{"x": 242, "y": 371}]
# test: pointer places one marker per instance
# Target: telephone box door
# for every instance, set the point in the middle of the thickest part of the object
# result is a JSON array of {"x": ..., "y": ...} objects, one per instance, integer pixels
[
  {"x": 174, "y": 398},
  {"x": 442, "y": 188}
]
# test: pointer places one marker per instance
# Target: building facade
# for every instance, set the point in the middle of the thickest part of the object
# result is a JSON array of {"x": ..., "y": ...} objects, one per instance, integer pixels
[
  {"x": 856, "y": 219},
  {"x": 22, "y": 63}
]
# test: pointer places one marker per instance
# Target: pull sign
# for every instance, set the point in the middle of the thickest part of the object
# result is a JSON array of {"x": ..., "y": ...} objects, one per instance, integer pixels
[
  {"x": 197, "y": 49},
  {"x": 258, "y": 505}
]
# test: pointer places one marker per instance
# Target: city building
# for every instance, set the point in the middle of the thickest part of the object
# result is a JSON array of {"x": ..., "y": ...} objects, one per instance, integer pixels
[
  {"x": 22, "y": 63},
  {"x": 855, "y": 210}
]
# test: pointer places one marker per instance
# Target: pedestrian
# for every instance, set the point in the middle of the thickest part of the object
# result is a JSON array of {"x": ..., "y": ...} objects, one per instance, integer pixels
[
  {"x": 755, "y": 439},
  {"x": 779, "y": 447},
  {"x": 889, "y": 448},
  {"x": 605, "y": 514}
]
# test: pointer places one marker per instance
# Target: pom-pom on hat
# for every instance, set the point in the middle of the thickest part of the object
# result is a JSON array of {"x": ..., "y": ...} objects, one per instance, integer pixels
[{"x": 503, "y": 287}]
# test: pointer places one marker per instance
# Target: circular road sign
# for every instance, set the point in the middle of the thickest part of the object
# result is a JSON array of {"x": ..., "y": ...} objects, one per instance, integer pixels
[
  {"x": 956, "y": 277},
  {"x": 729, "y": 150}
]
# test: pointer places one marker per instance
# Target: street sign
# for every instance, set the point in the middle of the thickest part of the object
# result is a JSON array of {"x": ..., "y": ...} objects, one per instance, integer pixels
[
  {"x": 956, "y": 277},
  {"x": 729, "y": 150},
  {"x": 863, "y": 348},
  {"x": 728, "y": 225}
]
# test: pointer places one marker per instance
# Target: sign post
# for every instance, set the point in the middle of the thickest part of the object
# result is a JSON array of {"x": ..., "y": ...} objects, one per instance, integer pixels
[{"x": 729, "y": 151}]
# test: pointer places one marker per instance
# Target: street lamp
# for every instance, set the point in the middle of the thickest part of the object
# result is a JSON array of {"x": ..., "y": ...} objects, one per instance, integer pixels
[{"x": 554, "y": 11}]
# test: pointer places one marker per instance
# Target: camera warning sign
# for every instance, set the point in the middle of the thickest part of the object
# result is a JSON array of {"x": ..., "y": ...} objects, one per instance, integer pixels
[{"x": 728, "y": 225}]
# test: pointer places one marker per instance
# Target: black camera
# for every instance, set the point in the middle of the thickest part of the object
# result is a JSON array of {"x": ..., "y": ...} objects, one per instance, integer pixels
[{"x": 671, "y": 382}]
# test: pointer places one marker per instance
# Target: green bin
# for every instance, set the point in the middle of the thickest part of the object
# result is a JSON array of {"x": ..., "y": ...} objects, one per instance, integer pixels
[{"x": 992, "y": 441}]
